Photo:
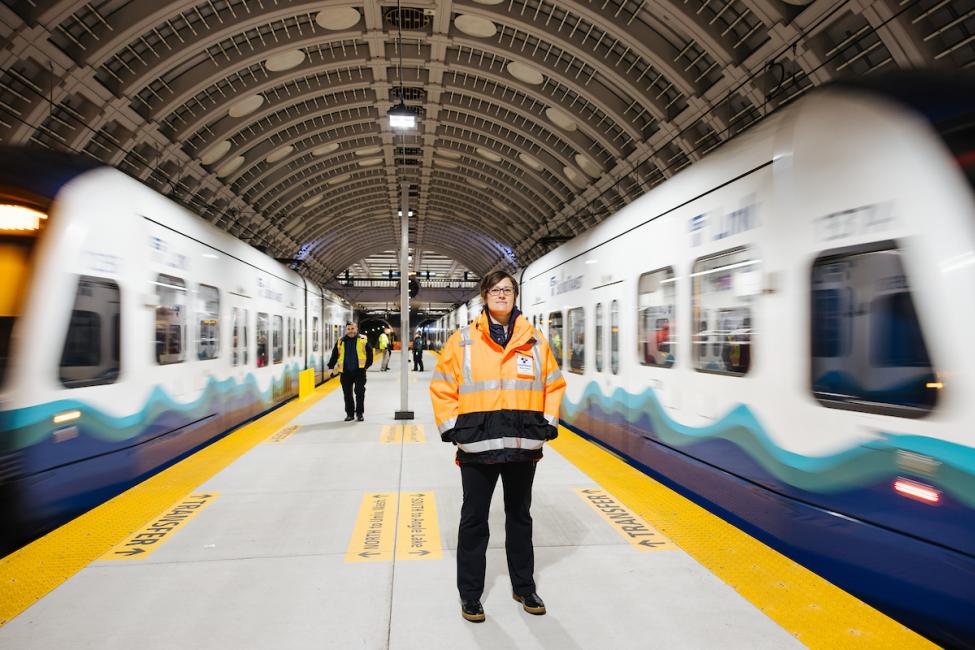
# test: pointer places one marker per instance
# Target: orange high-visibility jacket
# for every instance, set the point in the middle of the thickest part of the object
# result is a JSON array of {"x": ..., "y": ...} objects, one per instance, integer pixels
[{"x": 497, "y": 405}]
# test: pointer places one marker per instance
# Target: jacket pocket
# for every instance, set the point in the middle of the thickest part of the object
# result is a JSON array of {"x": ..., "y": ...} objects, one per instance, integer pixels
[
  {"x": 467, "y": 429},
  {"x": 535, "y": 426}
]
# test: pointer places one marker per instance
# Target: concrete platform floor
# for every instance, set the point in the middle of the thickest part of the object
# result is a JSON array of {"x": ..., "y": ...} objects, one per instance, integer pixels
[{"x": 266, "y": 565}]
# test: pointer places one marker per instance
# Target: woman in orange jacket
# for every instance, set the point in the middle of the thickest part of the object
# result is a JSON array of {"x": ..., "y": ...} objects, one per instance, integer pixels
[{"x": 496, "y": 393}]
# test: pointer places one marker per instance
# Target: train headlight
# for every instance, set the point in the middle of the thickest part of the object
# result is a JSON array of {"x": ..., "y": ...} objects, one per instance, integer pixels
[
  {"x": 18, "y": 218},
  {"x": 67, "y": 416}
]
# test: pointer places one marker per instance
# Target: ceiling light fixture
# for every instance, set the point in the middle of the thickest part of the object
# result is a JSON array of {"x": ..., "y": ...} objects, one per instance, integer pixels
[{"x": 401, "y": 117}]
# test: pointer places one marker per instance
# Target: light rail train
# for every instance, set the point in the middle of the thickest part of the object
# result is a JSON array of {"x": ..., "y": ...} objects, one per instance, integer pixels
[
  {"x": 131, "y": 333},
  {"x": 780, "y": 333}
]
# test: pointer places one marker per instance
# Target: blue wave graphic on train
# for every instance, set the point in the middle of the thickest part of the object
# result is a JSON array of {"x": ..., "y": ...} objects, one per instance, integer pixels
[
  {"x": 855, "y": 467},
  {"x": 33, "y": 425}
]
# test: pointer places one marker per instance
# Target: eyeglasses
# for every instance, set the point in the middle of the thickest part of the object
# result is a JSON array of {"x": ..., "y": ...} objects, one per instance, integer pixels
[{"x": 500, "y": 291}]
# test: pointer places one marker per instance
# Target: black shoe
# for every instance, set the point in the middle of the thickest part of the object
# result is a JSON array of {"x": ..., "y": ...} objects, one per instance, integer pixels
[
  {"x": 532, "y": 603},
  {"x": 358, "y": 417},
  {"x": 348, "y": 418},
  {"x": 472, "y": 611}
]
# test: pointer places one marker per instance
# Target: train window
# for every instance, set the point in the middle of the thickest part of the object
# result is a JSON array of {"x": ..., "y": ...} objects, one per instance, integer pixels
[
  {"x": 599, "y": 337},
  {"x": 277, "y": 339},
  {"x": 656, "y": 302},
  {"x": 555, "y": 335},
  {"x": 314, "y": 334},
  {"x": 868, "y": 350},
  {"x": 240, "y": 347},
  {"x": 577, "y": 340},
  {"x": 262, "y": 340},
  {"x": 208, "y": 310},
  {"x": 170, "y": 320},
  {"x": 289, "y": 336},
  {"x": 614, "y": 337},
  {"x": 90, "y": 354},
  {"x": 301, "y": 338},
  {"x": 724, "y": 287}
]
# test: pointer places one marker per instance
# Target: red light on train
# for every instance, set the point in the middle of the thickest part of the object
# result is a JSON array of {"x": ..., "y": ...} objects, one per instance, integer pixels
[{"x": 917, "y": 491}]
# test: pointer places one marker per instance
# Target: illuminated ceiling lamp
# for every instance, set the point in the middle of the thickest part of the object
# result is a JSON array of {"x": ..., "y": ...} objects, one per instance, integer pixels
[{"x": 400, "y": 117}]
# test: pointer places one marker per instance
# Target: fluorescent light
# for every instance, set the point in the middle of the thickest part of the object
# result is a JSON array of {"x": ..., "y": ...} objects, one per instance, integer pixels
[
  {"x": 402, "y": 121},
  {"x": 399, "y": 213},
  {"x": 400, "y": 117}
]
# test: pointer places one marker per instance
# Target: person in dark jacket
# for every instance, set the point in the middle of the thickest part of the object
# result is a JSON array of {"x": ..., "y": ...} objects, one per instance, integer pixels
[
  {"x": 496, "y": 394},
  {"x": 418, "y": 352},
  {"x": 353, "y": 356}
]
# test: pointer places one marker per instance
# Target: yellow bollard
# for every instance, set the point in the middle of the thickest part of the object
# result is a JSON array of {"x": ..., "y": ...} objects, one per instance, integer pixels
[{"x": 306, "y": 383}]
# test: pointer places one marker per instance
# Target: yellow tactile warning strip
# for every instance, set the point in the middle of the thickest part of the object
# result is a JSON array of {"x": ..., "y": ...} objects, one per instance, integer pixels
[
  {"x": 31, "y": 572},
  {"x": 375, "y": 529},
  {"x": 815, "y": 611},
  {"x": 631, "y": 526},
  {"x": 148, "y": 538},
  {"x": 418, "y": 531}
]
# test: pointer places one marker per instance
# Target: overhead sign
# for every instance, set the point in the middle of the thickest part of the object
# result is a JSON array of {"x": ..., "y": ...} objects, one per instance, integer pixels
[
  {"x": 631, "y": 526},
  {"x": 151, "y": 536},
  {"x": 374, "y": 533}
]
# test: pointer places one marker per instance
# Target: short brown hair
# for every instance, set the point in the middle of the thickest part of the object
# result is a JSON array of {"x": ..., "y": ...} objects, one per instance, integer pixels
[{"x": 492, "y": 279}]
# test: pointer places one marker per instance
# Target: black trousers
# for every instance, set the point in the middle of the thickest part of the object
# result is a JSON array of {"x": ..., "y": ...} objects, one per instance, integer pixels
[
  {"x": 479, "y": 480},
  {"x": 354, "y": 381},
  {"x": 418, "y": 360}
]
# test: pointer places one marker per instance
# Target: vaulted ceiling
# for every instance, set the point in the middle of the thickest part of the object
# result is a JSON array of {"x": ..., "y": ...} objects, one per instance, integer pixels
[{"x": 537, "y": 118}]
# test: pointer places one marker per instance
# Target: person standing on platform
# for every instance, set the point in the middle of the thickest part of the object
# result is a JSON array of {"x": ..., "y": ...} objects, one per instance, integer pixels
[
  {"x": 353, "y": 355},
  {"x": 388, "y": 350},
  {"x": 384, "y": 345},
  {"x": 496, "y": 393},
  {"x": 418, "y": 352}
]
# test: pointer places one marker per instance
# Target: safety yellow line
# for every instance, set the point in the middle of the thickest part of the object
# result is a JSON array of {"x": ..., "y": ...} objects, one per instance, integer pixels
[
  {"x": 27, "y": 575},
  {"x": 810, "y": 608}
]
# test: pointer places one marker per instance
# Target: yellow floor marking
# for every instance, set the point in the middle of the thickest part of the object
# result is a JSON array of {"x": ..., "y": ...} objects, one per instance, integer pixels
[
  {"x": 815, "y": 611},
  {"x": 418, "y": 530},
  {"x": 147, "y": 539},
  {"x": 413, "y": 434},
  {"x": 375, "y": 528},
  {"x": 392, "y": 434},
  {"x": 283, "y": 434},
  {"x": 631, "y": 526},
  {"x": 30, "y": 573}
]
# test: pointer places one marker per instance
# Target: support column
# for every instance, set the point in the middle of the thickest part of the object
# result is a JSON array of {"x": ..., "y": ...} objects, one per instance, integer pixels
[{"x": 404, "y": 412}]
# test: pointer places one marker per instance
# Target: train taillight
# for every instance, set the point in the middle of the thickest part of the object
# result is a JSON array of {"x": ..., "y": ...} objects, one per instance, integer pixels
[{"x": 918, "y": 491}]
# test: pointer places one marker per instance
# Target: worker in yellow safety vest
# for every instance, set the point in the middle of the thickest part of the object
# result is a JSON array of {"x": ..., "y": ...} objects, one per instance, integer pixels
[
  {"x": 353, "y": 356},
  {"x": 496, "y": 393},
  {"x": 385, "y": 348}
]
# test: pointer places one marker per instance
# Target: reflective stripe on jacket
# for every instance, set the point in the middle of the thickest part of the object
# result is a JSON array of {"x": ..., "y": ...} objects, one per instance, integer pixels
[
  {"x": 497, "y": 404},
  {"x": 360, "y": 350}
]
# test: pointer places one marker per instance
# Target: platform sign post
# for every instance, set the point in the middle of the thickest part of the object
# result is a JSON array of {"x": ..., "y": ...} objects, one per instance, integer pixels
[{"x": 404, "y": 412}]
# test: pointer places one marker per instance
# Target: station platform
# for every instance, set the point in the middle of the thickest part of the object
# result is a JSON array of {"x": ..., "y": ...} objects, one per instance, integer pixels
[{"x": 300, "y": 530}]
